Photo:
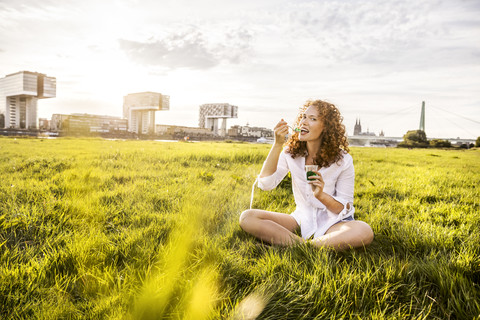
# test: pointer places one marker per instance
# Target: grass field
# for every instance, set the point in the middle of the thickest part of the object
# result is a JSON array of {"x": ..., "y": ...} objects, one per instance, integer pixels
[{"x": 98, "y": 229}]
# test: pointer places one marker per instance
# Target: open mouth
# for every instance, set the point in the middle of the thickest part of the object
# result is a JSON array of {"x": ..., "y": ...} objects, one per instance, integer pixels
[{"x": 304, "y": 131}]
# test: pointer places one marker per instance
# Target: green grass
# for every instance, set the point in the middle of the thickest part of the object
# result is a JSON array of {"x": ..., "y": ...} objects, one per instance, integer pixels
[{"x": 98, "y": 229}]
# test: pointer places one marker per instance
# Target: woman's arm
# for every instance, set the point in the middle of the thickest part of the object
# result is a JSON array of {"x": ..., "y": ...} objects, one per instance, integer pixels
[
  {"x": 270, "y": 164},
  {"x": 343, "y": 196},
  {"x": 331, "y": 204}
]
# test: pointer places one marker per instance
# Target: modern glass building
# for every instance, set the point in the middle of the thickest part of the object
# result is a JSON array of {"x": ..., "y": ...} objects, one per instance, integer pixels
[
  {"x": 84, "y": 123},
  {"x": 211, "y": 112},
  {"x": 19, "y": 93},
  {"x": 139, "y": 109}
]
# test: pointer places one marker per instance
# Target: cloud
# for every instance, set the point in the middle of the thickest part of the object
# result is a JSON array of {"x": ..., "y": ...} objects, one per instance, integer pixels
[
  {"x": 190, "y": 49},
  {"x": 175, "y": 52},
  {"x": 264, "y": 56},
  {"x": 359, "y": 31},
  {"x": 383, "y": 35}
]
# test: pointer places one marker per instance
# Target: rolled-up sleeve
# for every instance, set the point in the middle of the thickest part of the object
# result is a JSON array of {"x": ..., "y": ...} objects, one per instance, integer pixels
[
  {"x": 344, "y": 187},
  {"x": 270, "y": 182}
]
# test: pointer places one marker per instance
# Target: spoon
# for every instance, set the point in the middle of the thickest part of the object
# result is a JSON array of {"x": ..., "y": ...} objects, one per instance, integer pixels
[{"x": 296, "y": 129}]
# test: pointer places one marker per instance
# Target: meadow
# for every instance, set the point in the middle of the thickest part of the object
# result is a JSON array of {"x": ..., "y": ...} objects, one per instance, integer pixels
[{"x": 100, "y": 229}]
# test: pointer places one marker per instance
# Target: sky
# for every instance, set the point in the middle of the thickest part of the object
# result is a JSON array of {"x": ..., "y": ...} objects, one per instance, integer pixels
[{"x": 376, "y": 60}]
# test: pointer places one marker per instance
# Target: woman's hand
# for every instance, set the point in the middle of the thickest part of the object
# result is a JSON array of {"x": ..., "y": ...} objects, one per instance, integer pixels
[
  {"x": 317, "y": 184},
  {"x": 271, "y": 163},
  {"x": 281, "y": 131}
]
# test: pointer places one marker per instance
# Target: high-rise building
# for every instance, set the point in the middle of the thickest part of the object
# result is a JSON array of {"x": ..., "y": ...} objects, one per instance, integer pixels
[
  {"x": 19, "y": 93},
  {"x": 211, "y": 112},
  {"x": 139, "y": 109}
]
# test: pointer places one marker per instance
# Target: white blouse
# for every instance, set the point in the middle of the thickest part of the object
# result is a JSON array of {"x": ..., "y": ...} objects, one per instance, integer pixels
[{"x": 312, "y": 216}]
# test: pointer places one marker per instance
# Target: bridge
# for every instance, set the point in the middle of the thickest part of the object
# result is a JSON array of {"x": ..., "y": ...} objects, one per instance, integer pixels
[
  {"x": 373, "y": 140},
  {"x": 367, "y": 141}
]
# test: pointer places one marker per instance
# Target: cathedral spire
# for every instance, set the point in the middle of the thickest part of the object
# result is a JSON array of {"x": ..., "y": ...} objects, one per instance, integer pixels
[{"x": 358, "y": 127}]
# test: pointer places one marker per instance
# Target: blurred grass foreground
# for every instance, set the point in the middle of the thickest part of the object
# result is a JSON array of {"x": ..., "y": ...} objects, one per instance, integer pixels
[{"x": 98, "y": 229}]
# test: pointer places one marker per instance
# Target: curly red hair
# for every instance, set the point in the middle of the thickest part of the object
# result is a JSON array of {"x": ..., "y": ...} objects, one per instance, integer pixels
[{"x": 333, "y": 137}]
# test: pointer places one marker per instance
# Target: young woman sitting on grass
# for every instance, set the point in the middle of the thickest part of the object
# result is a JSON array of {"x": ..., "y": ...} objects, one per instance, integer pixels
[{"x": 324, "y": 201}]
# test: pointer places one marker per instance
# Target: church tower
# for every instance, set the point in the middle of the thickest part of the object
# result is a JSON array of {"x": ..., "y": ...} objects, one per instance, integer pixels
[{"x": 358, "y": 128}]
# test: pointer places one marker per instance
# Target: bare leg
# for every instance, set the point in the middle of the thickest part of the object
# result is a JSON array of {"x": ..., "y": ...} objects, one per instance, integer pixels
[
  {"x": 345, "y": 235},
  {"x": 272, "y": 227}
]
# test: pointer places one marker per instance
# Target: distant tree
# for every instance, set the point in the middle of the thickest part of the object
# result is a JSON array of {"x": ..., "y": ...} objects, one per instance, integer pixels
[
  {"x": 438, "y": 143},
  {"x": 415, "y": 136},
  {"x": 466, "y": 145},
  {"x": 477, "y": 143},
  {"x": 65, "y": 125},
  {"x": 414, "y": 139}
]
